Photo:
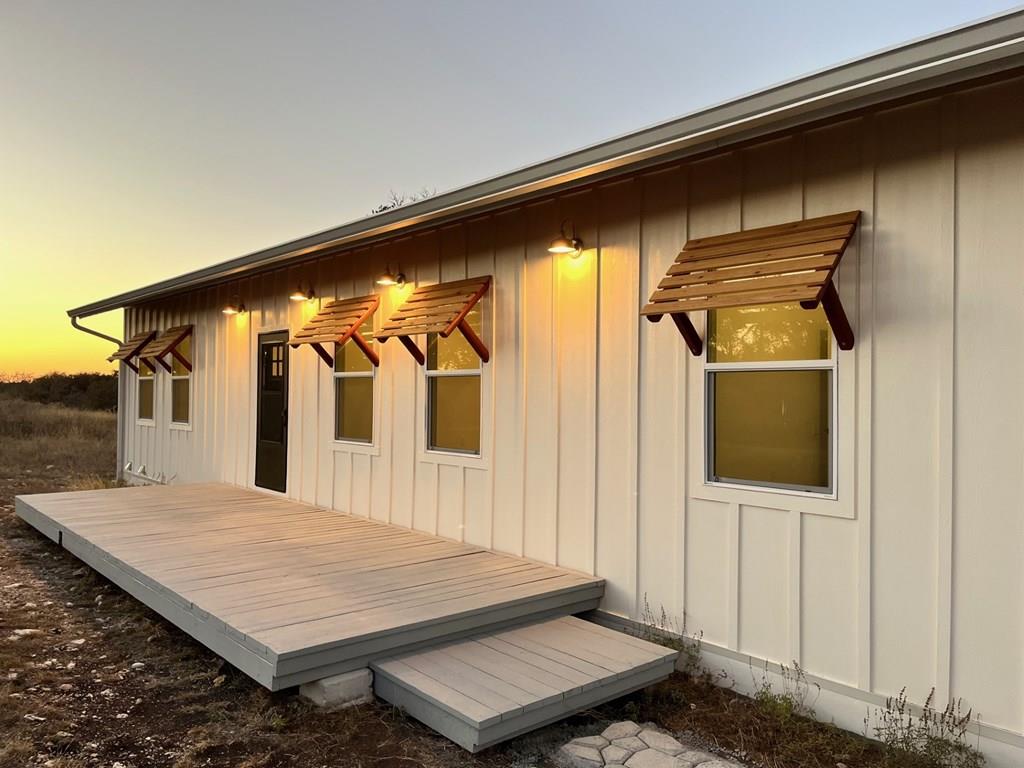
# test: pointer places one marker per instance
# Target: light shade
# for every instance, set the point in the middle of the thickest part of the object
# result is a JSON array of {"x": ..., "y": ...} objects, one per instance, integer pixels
[
  {"x": 387, "y": 277},
  {"x": 234, "y": 308},
  {"x": 565, "y": 244},
  {"x": 300, "y": 295}
]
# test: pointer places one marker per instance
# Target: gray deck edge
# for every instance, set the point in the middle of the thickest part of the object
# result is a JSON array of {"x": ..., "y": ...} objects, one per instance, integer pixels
[
  {"x": 468, "y": 737},
  {"x": 582, "y": 595},
  {"x": 206, "y": 633},
  {"x": 260, "y": 662},
  {"x": 452, "y": 632}
]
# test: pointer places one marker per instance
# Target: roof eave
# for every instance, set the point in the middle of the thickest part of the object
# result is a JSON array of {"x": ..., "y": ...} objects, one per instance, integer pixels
[{"x": 964, "y": 53}]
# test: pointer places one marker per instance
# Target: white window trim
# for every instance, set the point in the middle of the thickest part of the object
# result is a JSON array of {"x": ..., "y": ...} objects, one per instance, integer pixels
[
  {"x": 348, "y": 442},
  {"x": 479, "y": 460},
  {"x": 840, "y": 503},
  {"x": 371, "y": 447},
  {"x": 139, "y": 421},
  {"x": 442, "y": 374},
  {"x": 184, "y": 426},
  {"x": 831, "y": 365}
]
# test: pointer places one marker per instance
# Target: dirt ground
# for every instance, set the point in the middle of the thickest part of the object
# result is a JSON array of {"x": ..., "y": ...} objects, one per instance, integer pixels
[{"x": 90, "y": 677}]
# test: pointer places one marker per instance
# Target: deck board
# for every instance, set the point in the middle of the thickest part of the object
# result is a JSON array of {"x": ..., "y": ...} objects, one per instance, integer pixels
[
  {"x": 291, "y": 592},
  {"x": 490, "y": 687}
]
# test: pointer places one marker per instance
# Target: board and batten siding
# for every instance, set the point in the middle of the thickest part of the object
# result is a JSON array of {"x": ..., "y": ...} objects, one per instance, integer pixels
[{"x": 592, "y": 418}]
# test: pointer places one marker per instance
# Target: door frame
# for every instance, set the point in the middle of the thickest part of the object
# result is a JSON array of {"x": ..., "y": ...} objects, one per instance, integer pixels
[{"x": 259, "y": 334}]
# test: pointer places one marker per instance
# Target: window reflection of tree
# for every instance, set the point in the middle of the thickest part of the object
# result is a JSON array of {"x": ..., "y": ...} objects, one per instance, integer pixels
[
  {"x": 454, "y": 353},
  {"x": 768, "y": 332}
]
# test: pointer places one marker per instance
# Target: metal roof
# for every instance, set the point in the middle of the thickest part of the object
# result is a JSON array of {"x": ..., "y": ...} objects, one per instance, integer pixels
[{"x": 980, "y": 48}]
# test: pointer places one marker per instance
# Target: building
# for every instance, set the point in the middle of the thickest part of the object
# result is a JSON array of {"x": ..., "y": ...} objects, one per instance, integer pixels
[{"x": 795, "y": 488}]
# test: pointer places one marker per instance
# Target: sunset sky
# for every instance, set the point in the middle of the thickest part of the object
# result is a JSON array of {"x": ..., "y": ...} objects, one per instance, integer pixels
[{"x": 139, "y": 140}]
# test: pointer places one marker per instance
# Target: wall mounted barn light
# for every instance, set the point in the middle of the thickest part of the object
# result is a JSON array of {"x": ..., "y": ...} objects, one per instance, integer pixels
[
  {"x": 300, "y": 295},
  {"x": 565, "y": 244},
  {"x": 387, "y": 277},
  {"x": 234, "y": 308}
]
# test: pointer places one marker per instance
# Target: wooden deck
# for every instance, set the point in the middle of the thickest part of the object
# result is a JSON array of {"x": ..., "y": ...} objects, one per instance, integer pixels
[
  {"x": 289, "y": 592},
  {"x": 496, "y": 685}
]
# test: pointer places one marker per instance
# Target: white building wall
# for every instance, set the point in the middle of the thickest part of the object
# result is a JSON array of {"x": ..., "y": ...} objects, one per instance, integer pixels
[{"x": 593, "y": 447}]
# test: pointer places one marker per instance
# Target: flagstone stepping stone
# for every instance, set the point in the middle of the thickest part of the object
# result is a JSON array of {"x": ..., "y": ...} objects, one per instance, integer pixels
[{"x": 628, "y": 745}]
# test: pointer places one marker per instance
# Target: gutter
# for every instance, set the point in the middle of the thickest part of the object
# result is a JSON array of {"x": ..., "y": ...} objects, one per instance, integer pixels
[
  {"x": 986, "y": 47},
  {"x": 75, "y": 324}
]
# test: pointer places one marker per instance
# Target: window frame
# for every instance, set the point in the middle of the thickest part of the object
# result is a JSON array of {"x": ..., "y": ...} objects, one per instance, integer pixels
[
  {"x": 139, "y": 378},
  {"x": 708, "y": 371},
  {"x": 186, "y": 376},
  {"x": 832, "y": 366},
  {"x": 445, "y": 373},
  {"x": 349, "y": 442}
]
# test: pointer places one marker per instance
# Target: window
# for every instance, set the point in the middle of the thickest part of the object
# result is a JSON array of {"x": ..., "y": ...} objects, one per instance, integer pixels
[
  {"x": 453, "y": 391},
  {"x": 146, "y": 391},
  {"x": 353, "y": 390},
  {"x": 770, "y": 382},
  {"x": 181, "y": 383}
]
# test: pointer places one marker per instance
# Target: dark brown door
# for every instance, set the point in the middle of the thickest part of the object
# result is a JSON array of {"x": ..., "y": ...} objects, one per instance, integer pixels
[{"x": 272, "y": 412}]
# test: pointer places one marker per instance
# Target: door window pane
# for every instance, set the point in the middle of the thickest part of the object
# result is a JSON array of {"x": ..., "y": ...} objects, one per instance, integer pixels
[
  {"x": 769, "y": 332},
  {"x": 353, "y": 408},
  {"x": 771, "y": 427},
  {"x": 454, "y": 408}
]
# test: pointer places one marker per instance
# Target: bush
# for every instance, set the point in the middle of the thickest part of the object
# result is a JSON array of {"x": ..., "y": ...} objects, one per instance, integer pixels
[
  {"x": 935, "y": 739},
  {"x": 85, "y": 391}
]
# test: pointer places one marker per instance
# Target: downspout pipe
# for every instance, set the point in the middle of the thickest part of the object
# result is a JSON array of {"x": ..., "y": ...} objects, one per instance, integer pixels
[
  {"x": 120, "y": 393},
  {"x": 78, "y": 326}
]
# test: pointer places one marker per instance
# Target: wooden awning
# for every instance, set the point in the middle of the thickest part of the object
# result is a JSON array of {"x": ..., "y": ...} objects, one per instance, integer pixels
[
  {"x": 791, "y": 262},
  {"x": 131, "y": 347},
  {"x": 439, "y": 308},
  {"x": 336, "y": 323},
  {"x": 166, "y": 343}
]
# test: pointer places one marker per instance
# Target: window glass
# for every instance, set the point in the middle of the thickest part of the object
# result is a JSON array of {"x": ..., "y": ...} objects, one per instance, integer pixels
[
  {"x": 353, "y": 408},
  {"x": 768, "y": 332},
  {"x": 350, "y": 358},
  {"x": 145, "y": 400},
  {"x": 180, "y": 400},
  {"x": 454, "y": 408},
  {"x": 185, "y": 350},
  {"x": 454, "y": 353},
  {"x": 771, "y": 427}
]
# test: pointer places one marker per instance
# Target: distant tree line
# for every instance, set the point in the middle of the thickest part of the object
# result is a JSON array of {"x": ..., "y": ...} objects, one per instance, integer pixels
[{"x": 86, "y": 391}]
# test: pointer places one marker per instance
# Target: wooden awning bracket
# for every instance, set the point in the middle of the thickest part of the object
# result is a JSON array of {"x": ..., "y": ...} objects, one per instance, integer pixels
[
  {"x": 166, "y": 343},
  {"x": 793, "y": 262},
  {"x": 441, "y": 308},
  {"x": 131, "y": 348},
  {"x": 337, "y": 323}
]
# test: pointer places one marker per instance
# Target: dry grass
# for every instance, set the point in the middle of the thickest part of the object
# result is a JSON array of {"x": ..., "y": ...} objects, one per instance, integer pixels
[{"x": 61, "y": 442}]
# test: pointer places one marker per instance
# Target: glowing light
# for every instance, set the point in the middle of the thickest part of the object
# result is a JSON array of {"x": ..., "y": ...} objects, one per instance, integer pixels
[
  {"x": 387, "y": 277},
  {"x": 565, "y": 244}
]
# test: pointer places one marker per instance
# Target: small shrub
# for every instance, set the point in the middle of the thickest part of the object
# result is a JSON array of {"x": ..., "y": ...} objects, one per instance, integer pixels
[
  {"x": 664, "y": 630},
  {"x": 793, "y": 698},
  {"x": 934, "y": 739}
]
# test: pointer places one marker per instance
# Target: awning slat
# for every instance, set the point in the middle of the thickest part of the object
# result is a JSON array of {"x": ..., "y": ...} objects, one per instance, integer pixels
[
  {"x": 131, "y": 348},
  {"x": 792, "y": 262},
  {"x": 336, "y": 323},
  {"x": 439, "y": 308},
  {"x": 165, "y": 343}
]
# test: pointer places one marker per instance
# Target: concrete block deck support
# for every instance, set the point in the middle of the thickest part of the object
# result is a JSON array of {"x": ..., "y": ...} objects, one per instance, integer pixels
[{"x": 340, "y": 691}]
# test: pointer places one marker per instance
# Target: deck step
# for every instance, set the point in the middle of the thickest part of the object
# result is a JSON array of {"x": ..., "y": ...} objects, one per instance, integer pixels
[{"x": 493, "y": 686}]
